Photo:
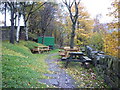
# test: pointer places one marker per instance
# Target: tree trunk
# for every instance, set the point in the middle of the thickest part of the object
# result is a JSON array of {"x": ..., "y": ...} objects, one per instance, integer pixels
[
  {"x": 18, "y": 29},
  {"x": 5, "y": 13},
  {"x": 12, "y": 27},
  {"x": 26, "y": 31},
  {"x": 43, "y": 37},
  {"x": 72, "y": 36},
  {"x": 15, "y": 21}
]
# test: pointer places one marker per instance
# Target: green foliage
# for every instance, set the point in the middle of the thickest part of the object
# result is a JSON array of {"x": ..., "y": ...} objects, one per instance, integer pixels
[
  {"x": 96, "y": 41},
  {"x": 33, "y": 35},
  {"x": 21, "y": 68}
]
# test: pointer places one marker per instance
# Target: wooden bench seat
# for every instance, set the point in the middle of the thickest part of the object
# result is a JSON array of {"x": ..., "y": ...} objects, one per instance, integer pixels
[
  {"x": 64, "y": 58},
  {"x": 35, "y": 50},
  {"x": 64, "y": 55},
  {"x": 87, "y": 59}
]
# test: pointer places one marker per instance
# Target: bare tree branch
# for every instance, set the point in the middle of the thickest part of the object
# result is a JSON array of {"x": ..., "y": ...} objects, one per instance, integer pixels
[
  {"x": 39, "y": 7},
  {"x": 30, "y": 11},
  {"x": 72, "y": 3}
]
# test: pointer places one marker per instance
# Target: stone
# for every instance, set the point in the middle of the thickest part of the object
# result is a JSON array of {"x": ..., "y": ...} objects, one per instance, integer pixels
[
  {"x": 54, "y": 82},
  {"x": 52, "y": 75}
]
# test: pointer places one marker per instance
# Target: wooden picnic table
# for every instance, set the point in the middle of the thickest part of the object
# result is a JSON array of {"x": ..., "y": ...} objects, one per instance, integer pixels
[
  {"x": 66, "y": 50},
  {"x": 75, "y": 49},
  {"x": 41, "y": 49},
  {"x": 72, "y": 50},
  {"x": 76, "y": 57}
]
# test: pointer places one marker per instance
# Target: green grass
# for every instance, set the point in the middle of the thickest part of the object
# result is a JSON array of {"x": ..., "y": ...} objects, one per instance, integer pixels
[{"x": 21, "y": 68}]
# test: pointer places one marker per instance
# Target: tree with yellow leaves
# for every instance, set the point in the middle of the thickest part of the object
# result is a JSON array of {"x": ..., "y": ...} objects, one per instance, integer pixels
[
  {"x": 111, "y": 44},
  {"x": 84, "y": 26}
]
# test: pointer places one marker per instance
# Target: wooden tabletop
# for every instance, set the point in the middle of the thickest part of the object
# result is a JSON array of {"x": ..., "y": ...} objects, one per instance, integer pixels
[
  {"x": 41, "y": 46},
  {"x": 76, "y": 53}
]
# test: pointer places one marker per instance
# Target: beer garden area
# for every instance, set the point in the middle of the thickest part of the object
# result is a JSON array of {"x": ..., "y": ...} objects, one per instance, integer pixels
[{"x": 58, "y": 46}]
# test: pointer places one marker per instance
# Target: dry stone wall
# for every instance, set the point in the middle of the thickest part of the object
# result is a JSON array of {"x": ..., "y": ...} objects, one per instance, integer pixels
[
  {"x": 107, "y": 67},
  {"x": 6, "y": 30}
]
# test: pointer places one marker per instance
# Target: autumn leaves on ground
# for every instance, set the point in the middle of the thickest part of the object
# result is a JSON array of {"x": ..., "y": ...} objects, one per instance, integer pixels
[{"x": 22, "y": 69}]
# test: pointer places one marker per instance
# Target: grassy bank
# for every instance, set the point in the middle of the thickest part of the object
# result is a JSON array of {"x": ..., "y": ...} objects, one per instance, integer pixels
[{"x": 21, "y": 68}]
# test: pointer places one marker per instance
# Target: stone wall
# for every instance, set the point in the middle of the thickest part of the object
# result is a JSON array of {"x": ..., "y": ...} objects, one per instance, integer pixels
[
  {"x": 107, "y": 67},
  {"x": 6, "y": 30},
  {"x": 5, "y": 33}
]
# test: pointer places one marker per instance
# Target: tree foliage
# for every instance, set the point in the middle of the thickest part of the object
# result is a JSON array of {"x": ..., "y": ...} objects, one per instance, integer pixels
[
  {"x": 84, "y": 26},
  {"x": 111, "y": 44}
]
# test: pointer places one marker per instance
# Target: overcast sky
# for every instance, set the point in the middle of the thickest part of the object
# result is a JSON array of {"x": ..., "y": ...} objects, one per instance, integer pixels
[{"x": 94, "y": 7}]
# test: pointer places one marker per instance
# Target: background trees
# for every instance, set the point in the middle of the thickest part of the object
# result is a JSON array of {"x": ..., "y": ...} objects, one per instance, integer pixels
[
  {"x": 43, "y": 20},
  {"x": 27, "y": 9},
  {"x": 111, "y": 38},
  {"x": 84, "y": 26},
  {"x": 47, "y": 16},
  {"x": 17, "y": 9}
]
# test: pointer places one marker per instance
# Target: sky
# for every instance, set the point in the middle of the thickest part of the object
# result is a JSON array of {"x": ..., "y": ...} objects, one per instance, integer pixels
[
  {"x": 8, "y": 23},
  {"x": 93, "y": 7}
]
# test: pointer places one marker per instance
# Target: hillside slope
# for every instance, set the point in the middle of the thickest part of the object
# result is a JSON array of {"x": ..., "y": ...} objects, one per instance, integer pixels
[{"x": 21, "y": 68}]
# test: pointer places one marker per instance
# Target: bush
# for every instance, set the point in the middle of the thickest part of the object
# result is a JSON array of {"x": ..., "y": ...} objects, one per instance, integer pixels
[{"x": 96, "y": 41}]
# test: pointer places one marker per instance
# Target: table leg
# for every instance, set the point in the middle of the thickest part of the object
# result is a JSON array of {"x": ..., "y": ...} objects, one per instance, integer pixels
[{"x": 67, "y": 62}]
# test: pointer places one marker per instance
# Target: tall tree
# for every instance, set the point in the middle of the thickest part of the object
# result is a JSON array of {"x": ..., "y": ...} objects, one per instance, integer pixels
[
  {"x": 84, "y": 26},
  {"x": 12, "y": 9},
  {"x": 18, "y": 26},
  {"x": 73, "y": 16},
  {"x": 27, "y": 9},
  {"x": 111, "y": 40},
  {"x": 47, "y": 15},
  {"x": 5, "y": 14}
]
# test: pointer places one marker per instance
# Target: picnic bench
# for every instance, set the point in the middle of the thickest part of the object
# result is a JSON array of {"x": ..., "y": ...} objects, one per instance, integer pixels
[
  {"x": 77, "y": 57},
  {"x": 41, "y": 49},
  {"x": 65, "y": 52}
]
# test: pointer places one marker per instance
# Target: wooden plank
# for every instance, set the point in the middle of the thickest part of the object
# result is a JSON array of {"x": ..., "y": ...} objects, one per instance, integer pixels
[
  {"x": 87, "y": 59},
  {"x": 76, "y": 60}
]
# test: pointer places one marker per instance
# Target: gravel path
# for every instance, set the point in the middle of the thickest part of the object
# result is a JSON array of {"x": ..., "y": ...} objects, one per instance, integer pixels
[{"x": 59, "y": 78}]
